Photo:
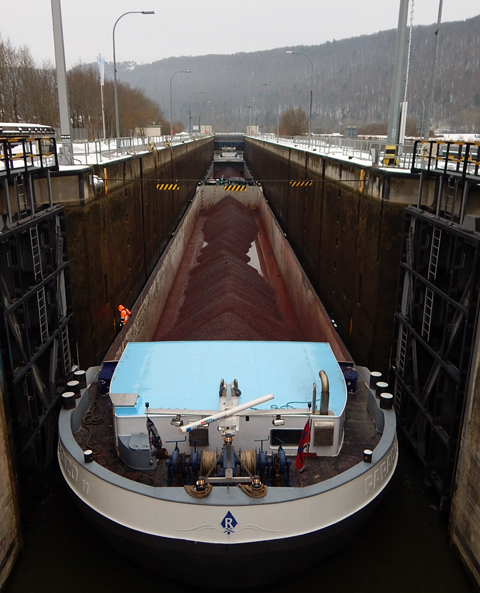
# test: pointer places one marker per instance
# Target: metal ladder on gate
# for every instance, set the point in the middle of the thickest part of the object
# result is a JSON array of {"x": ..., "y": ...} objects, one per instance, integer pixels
[
  {"x": 432, "y": 274},
  {"x": 451, "y": 197},
  {"x": 67, "y": 359},
  {"x": 38, "y": 274},
  {"x": 36, "y": 257},
  {"x": 21, "y": 196},
  {"x": 402, "y": 357},
  {"x": 42, "y": 314}
]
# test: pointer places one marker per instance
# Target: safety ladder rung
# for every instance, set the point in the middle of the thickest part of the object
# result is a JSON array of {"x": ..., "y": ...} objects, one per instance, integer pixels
[
  {"x": 35, "y": 245},
  {"x": 21, "y": 195},
  {"x": 409, "y": 250},
  {"x": 427, "y": 312},
  {"x": 450, "y": 200},
  {"x": 398, "y": 398},
  {"x": 434, "y": 253},
  {"x": 451, "y": 190},
  {"x": 42, "y": 314},
  {"x": 66, "y": 350}
]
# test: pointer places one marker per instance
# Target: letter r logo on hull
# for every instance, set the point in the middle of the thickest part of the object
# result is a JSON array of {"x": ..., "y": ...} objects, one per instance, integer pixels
[{"x": 229, "y": 522}]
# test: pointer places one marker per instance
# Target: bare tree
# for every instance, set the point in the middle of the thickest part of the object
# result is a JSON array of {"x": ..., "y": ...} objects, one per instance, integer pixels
[
  {"x": 29, "y": 94},
  {"x": 294, "y": 122}
]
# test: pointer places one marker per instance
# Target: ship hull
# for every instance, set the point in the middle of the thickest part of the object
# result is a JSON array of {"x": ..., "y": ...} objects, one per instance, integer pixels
[
  {"x": 225, "y": 565},
  {"x": 233, "y": 537},
  {"x": 245, "y": 541}
]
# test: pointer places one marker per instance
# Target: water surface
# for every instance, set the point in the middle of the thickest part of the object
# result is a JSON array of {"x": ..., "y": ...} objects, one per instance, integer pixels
[{"x": 404, "y": 549}]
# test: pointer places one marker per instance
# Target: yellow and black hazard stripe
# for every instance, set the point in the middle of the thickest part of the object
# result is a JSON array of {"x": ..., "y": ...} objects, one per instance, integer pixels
[
  {"x": 390, "y": 159},
  {"x": 235, "y": 187},
  {"x": 306, "y": 183},
  {"x": 167, "y": 186}
]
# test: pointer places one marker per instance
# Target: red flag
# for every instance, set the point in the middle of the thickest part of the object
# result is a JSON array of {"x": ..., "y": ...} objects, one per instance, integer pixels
[{"x": 302, "y": 445}]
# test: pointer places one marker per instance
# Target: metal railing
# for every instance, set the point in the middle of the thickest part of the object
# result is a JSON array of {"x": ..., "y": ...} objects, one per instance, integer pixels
[
  {"x": 99, "y": 151},
  {"x": 447, "y": 157},
  {"x": 18, "y": 154},
  {"x": 369, "y": 150}
]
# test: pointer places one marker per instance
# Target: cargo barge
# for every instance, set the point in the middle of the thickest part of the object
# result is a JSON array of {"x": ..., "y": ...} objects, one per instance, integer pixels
[{"x": 229, "y": 427}]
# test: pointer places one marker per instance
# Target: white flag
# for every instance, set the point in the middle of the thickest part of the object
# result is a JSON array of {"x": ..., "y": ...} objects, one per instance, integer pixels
[{"x": 101, "y": 69}]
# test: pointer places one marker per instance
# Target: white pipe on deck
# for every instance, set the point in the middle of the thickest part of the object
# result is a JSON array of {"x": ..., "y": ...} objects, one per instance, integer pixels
[{"x": 225, "y": 413}]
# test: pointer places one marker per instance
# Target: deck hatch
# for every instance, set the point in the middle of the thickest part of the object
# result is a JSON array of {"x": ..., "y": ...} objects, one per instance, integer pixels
[{"x": 124, "y": 399}]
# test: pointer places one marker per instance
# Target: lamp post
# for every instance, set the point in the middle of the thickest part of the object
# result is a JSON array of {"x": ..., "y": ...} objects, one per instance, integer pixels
[
  {"x": 190, "y": 115},
  {"x": 67, "y": 157},
  {"x": 423, "y": 115},
  {"x": 200, "y": 115},
  {"x": 397, "y": 83},
  {"x": 171, "y": 121},
  {"x": 311, "y": 91},
  {"x": 428, "y": 119},
  {"x": 249, "y": 118},
  {"x": 117, "y": 121},
  {"x": 265, "y": 84},
  {"x": 278, "y": 114}
]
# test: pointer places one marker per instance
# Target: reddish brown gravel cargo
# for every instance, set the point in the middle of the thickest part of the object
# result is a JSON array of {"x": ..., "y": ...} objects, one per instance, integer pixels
[{"x": 220, "y": 292}]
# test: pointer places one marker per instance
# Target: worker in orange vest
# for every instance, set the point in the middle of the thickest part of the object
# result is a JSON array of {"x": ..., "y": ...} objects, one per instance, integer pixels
[{"x": 124, "y": 315}]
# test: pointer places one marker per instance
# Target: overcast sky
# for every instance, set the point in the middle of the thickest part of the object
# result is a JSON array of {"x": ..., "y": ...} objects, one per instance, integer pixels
[{"x": 200, "y": 27}]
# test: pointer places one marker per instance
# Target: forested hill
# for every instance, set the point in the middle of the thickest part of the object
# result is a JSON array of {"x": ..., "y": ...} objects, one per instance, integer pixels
[{"x": 352, "y": 81}]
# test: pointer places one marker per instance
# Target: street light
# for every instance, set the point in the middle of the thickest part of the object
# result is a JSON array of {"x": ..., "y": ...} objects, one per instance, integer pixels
[
  {"x": 278, "y": 114},
  {"x": 429, "y": 110},
  {"x": 200, "y": 115},
  {"x": 171, "y": 122},
  {"x": 117, "y": 121},
  {"x": 423, "y": 116},
  {"x": 265, "y": 108},
  {"x": 311, "y": 91},
  {"x": 249, "y": 118},
  {"x": 190, "y": 114}
]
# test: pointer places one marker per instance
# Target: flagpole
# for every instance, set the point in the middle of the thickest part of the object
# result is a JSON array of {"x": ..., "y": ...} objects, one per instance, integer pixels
[
  {"x": 101, "y": 67},
  {"x": 103, "y": 112}
]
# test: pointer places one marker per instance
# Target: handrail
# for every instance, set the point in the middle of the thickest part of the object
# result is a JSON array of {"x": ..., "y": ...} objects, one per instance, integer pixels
[
  {"x": 437, "y": 156},
  {"x": 363, "y": 149},
  {"x": 106, "y": 149}
]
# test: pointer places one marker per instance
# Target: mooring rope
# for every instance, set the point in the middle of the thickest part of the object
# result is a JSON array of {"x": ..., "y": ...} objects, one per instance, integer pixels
[
  {"x": 254, "y": 492},
  {"x": 90, "y": 420},
  {"x": 207, "y": 462},
  {"x": 249, "y": 460},
  {"x": 200, "y": 493}
]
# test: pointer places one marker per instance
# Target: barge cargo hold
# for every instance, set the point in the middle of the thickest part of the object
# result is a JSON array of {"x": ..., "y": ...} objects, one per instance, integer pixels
[{"x": 239, "y": 435}]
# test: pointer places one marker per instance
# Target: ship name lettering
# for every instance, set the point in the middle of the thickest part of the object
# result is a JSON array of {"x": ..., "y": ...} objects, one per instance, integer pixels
[
  {"x": 70, "y": 468},
  {"x": 375, "y": 479}
]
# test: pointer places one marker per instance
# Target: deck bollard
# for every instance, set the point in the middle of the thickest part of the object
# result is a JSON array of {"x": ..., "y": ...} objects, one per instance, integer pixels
[
  {"x": 386, "y": 401},
  {"x": 75, "y": 387},
  {"x": 81, "y": 377},
  {"x": 68, "y": 400},
  {"x": 375, "y": 376},
  {"x": 380, "y": 388}
]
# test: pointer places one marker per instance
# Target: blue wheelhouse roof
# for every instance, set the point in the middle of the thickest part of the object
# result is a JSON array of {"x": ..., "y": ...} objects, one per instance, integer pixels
[{"x": 187, "y": 375}]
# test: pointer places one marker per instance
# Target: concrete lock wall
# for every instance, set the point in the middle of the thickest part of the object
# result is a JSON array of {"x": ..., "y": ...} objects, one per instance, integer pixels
[
  {"x": 346, "y": 230},
  {"x": 117, "y": 230},
  {"x": 10, "y": 535},
  {"x": 464, "y": 522}
]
